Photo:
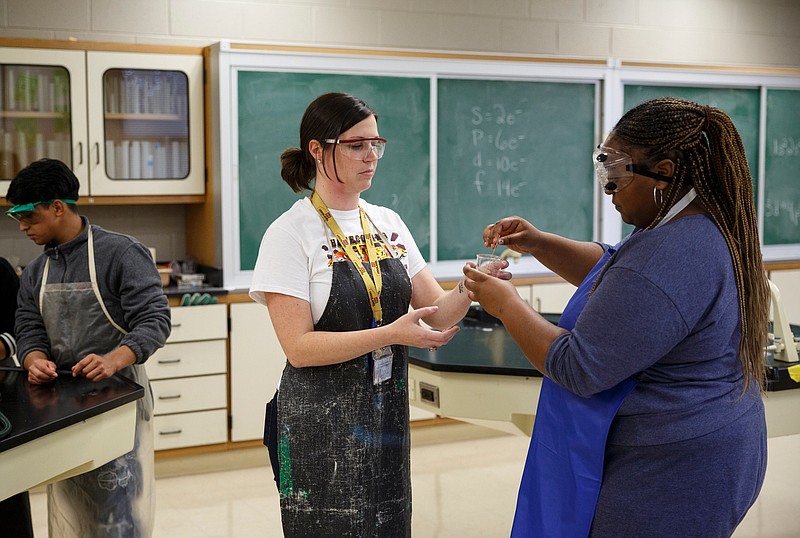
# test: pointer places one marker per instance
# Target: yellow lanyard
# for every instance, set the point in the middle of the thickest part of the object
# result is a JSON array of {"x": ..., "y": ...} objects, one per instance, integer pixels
[{"x": 373, "y": 284}]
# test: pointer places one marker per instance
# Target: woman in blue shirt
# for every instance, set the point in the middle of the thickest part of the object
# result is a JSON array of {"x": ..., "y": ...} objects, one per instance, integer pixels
[{"x": 650, "y": 421}]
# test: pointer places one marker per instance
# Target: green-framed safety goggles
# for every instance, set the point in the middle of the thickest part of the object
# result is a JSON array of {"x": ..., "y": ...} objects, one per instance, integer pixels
[{"x": 21, "y": 212}]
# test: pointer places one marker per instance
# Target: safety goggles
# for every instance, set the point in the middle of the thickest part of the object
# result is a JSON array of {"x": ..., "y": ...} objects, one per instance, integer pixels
[
  {"x": 22, "y": 212},
  {"x": 615, "y": 169},
  {"x": 360, "y": 148}
]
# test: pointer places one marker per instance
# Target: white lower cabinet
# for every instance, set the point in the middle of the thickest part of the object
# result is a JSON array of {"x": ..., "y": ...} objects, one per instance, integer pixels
[
  {"x": 257, "y": 362},
  {"x": 188, "y": 377},
  {"x": 551, "y": 298},
  {"x": 190, "y": 429}
]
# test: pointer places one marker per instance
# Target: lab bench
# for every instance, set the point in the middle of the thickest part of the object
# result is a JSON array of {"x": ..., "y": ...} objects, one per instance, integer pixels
[{"x": 63, "y": 428}]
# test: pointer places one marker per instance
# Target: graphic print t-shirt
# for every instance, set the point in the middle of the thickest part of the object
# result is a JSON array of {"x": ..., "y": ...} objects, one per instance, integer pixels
[{"x": 298, "y": 251}]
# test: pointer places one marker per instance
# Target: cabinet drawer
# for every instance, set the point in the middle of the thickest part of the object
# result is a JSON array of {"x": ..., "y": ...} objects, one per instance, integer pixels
[
  {"x": 205, "y": 322},
  {"x": 189, "y": 394},
  {"x": 187, "y": 359},
  {"x": 190, "y": 429}
]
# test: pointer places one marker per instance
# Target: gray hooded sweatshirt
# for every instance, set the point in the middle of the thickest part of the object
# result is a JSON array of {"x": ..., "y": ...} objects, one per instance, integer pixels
[{"x": 129, "y": 284}]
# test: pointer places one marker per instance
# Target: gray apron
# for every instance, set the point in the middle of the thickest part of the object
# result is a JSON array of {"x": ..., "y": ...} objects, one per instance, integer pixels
[
  {"x": 343, "y": 442},
  {"x": 115, "y": 500}
]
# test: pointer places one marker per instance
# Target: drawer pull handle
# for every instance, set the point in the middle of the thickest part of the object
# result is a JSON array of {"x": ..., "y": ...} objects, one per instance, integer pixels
[
  {"x": 168, "y": 361},
  {"x": 176, "y": 431},
  {"x": 170, "y": 397},
  {"x": 176, "y": 325}
]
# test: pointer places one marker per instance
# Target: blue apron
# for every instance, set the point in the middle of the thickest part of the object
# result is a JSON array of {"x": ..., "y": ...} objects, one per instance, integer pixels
[{"x": 564, "y": 468}]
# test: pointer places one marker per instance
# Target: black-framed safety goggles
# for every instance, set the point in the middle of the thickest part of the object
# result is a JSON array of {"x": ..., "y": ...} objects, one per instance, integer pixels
[{"x": 615, "y": 169}]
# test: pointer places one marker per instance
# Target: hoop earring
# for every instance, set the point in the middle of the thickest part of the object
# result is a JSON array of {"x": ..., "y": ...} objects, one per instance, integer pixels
[{"x": 660, "y": 196}]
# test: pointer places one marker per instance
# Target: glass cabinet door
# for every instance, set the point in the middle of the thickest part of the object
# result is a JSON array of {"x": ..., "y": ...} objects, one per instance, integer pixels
[
  {"x": 42, "y": 111},
  {"x": 35, "y": 116},
  {"x": 145, "y": 124}
]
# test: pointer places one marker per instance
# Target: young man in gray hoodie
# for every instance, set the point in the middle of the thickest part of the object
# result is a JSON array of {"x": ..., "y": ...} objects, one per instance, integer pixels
[{"x": 92, "y": 303}]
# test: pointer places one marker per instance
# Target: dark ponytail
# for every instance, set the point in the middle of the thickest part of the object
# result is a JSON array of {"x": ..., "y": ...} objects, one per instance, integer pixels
[{"x": 328, "y": 116}]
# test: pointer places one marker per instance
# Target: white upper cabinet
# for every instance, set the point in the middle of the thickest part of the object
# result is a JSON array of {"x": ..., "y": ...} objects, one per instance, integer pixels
[
  {"x": 127, "y": 123},
  {"x": 42, "y": 111},
  {"x": 145, "y": 123}
]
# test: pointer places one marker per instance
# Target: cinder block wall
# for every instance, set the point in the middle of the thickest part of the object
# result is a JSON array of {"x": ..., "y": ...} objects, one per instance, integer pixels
[{"x": 736, "y": 32}]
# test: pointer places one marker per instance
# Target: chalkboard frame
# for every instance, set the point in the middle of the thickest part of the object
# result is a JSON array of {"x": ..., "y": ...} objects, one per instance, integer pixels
[{"x": 611, "y": 75}]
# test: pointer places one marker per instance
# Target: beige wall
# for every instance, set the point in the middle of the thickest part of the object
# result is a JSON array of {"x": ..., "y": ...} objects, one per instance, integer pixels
[{"x": 741, "y": 32}]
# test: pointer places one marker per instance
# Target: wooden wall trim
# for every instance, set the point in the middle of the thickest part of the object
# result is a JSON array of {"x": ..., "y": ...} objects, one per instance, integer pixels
[
  {"x": 747, "y": 70},
  {"x": 98, "y": 45},
  {"x": 435, "y": 55}
]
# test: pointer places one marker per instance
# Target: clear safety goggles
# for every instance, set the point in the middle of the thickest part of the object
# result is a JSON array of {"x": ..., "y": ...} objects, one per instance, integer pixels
[
  {"x": 23, "y": 212},
  {"x": 615, "y": 169},
  {"x": 360, "y": 148}
]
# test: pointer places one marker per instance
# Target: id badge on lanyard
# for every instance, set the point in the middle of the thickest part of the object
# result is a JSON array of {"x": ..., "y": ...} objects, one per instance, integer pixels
[{"x": 382, "y": 365}]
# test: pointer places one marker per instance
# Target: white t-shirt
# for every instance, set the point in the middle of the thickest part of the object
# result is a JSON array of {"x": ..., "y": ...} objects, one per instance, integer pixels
[{"x": 298, "y": 251}]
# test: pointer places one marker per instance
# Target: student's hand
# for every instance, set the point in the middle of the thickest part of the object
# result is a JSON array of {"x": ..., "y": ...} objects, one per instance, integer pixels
[
  {"x": 515, "y": 233},
  {"x": 41, "y": 370},
  {"x": 96, "y": 367},
  {"x": 408, "y": 331},
  {"x": 491, "y": 292}
]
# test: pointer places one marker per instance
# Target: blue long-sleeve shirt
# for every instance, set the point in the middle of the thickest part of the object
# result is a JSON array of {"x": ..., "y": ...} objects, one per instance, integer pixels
[{"x": 665, "y": 310}]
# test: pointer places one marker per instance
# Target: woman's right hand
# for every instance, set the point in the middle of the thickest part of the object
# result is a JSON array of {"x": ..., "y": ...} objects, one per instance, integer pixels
[
  {"x": 407, "y": 330},
  {"x": 515, "y": 233}
]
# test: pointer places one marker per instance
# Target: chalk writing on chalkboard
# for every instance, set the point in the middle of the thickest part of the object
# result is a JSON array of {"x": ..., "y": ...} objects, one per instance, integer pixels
[
  {"x": 494, "y": 129},
  {"x": 512, "y": 148},
  {"x": 782, "y": 168},
  {"x": 786, "y": 209},
  {"x": 785, "y": 147}
]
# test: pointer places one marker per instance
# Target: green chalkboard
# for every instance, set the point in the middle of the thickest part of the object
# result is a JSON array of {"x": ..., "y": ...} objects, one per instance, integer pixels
[
  {"x": 741, "y": 104},
  {"x": 270, "y": 106},
  {"x": 513, "y": 148},
  {"x": 782, "y": 168}
]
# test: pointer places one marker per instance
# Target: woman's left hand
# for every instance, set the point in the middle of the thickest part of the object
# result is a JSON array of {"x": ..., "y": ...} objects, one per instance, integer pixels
[{"x": 493, "y": 293}]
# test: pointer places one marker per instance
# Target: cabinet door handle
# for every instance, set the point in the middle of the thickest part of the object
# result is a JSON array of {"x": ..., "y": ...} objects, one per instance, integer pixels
[
  {"x": 176, "y": 325},
  {"x": 176, "y": 431},
  {"x": 168, "y": 361},
  {"x": 170, "y": 397},
  {"x": 80, "y": 153},
  {"x": 97, "y": 153}
]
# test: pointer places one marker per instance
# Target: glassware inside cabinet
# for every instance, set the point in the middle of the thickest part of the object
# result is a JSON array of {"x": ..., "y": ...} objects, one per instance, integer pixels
[
  {"x": 35, "y": 116},
  {"x": 146, "y": 122}
]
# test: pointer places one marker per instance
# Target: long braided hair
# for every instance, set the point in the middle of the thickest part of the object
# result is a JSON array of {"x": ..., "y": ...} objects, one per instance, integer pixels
[{"x": 708, "y": 155}]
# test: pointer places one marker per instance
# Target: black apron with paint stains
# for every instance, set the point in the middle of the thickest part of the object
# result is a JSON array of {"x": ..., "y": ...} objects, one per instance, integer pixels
[{"x": 343, "y": 442}]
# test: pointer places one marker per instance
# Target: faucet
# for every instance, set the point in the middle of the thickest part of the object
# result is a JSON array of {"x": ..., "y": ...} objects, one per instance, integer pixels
[{"x": 508, "y": 253}]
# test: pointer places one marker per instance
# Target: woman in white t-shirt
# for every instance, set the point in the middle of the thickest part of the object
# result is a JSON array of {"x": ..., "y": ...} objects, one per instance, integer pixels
[{"x": 338, "y": 275}]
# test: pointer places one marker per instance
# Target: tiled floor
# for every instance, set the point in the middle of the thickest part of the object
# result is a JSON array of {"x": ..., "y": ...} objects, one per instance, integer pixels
[{"x": 464, "y": 481}]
